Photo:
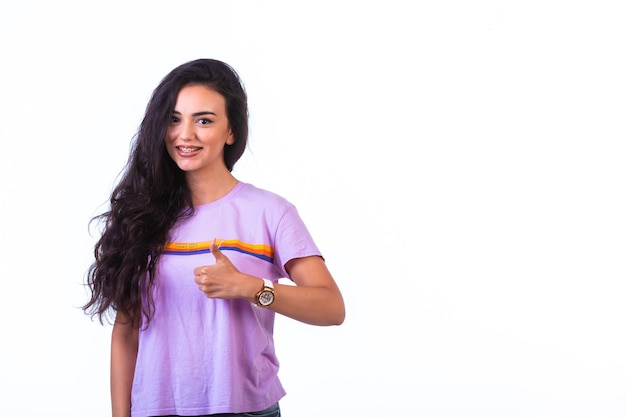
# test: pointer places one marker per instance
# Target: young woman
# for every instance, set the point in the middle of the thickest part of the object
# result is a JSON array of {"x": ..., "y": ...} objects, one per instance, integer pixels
[{"x": 189, "y": 261}]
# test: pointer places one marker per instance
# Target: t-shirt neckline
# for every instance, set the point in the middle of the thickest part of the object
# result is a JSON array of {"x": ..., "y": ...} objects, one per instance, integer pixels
[{"x": 224, "y": 199}]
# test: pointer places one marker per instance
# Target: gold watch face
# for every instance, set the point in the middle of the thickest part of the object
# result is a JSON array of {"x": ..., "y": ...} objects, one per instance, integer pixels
[{"x": 266, "y": 298}]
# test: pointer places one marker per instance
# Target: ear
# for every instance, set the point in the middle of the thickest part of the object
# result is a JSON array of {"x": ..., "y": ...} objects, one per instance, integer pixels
[{"x": 231, "y": 138}]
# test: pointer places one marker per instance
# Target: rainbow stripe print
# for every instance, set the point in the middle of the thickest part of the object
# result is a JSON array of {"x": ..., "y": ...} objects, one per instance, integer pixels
[{"x": 261, "y": 251}]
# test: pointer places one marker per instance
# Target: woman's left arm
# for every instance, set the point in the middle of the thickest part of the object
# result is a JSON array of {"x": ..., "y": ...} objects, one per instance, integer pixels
[{"x": 315, "y": 299}]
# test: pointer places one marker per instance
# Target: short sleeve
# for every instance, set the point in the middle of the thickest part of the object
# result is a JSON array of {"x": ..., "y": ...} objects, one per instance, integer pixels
[{"x": 292, "y": 240}]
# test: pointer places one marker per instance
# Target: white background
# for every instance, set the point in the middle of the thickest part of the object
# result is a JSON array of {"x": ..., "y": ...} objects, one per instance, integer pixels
[{"x": 460, "y": 164}]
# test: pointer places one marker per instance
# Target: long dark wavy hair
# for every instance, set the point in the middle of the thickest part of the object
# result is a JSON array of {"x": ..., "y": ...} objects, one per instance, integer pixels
[{"x": 152, "y": 195}]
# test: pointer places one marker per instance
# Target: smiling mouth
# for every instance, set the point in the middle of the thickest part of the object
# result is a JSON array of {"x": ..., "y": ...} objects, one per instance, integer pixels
[{"x": 187, "y": 149}]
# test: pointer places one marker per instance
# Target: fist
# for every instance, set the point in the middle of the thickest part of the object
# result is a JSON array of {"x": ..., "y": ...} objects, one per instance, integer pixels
[{"x": 220, "y": 279}]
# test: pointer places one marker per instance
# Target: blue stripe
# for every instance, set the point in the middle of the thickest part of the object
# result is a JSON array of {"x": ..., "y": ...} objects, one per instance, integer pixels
[{"x": 231, "y": 248}]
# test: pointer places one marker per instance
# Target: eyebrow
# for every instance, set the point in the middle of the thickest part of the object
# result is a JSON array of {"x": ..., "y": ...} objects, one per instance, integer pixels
[{"x": 200, "y": 113}]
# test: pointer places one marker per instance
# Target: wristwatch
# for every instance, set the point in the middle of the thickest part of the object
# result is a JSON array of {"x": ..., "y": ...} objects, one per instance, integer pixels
[{"x": 265, "y": 297}]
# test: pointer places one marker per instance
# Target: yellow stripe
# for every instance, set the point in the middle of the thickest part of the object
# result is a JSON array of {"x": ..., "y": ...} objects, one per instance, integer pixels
[{"x": 257, "y": 248}]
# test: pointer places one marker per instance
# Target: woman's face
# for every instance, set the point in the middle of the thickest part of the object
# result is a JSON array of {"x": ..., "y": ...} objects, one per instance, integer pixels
[{"x": 198, "y": 130}]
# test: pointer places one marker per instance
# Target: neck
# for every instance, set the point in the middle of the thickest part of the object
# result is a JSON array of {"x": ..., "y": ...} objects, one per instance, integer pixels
[{"x": 208, "y": 190}]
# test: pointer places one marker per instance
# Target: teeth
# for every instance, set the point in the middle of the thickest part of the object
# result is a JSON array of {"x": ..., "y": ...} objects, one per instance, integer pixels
[{"x": 187, "y": 150}]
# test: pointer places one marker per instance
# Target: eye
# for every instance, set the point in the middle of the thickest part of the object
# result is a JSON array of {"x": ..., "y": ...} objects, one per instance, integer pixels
[
  {"x": 174, "y": 119},
  {"x": 204, "y": 121}
]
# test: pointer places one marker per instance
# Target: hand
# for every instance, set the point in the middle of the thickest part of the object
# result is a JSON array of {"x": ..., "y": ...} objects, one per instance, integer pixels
[{"x": 220, "y": 280}]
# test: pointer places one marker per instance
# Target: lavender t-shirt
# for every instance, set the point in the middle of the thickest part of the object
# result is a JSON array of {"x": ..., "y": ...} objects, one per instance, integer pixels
[{"x": 205, "y": 356}]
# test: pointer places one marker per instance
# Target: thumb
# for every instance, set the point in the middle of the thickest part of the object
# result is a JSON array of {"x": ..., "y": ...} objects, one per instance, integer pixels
[{"x": 215, "y": 250}]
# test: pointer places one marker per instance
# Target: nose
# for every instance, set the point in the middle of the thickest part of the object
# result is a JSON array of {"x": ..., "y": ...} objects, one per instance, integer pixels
[{"x": 187, "y": 131}]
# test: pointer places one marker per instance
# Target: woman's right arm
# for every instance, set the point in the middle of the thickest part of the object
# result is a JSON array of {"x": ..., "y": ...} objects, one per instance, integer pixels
[{"x": 124, "y": 343}]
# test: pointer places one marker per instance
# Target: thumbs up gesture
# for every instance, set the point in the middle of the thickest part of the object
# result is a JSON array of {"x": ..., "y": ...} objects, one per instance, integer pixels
[{"x": 220, "y": 280}]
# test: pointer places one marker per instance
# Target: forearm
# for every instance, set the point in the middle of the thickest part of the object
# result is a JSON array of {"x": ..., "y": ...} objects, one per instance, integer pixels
[
  {"x": 123, "y": 358},
  {"x": 314, "y": 299},
  {"x": 319, "y": 306}
]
